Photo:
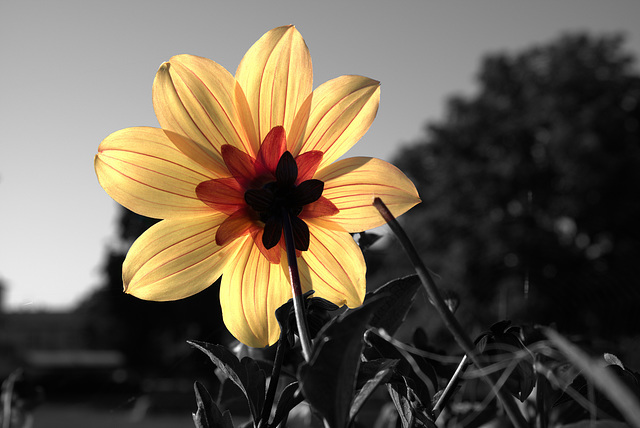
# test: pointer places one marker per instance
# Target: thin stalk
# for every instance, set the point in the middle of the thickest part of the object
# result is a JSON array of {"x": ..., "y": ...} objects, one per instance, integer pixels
[
  {"x": 7, "y": 398},
  {"x": 451, "y": 386},
  {"x": 296, "y": 288},
  {"x": 445, "y": 313},
  {"x": 273, "y": 382}
]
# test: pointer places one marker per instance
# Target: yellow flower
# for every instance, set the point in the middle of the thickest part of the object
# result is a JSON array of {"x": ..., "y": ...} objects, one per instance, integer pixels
[{"x": 232, "y": 155}]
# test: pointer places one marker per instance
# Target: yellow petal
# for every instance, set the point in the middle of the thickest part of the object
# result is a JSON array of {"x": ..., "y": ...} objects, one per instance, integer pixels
[
  {"x": 353, "y": 183},
  {"x": 175, "y": 259},
  {"x": 342, "y": 111},
  {"x": 333, "y": 266},
  {"x": 144, "y": 171},
  {"x": 196, "y": 97},
  {"x": 276, "y": 76},
  {"x": 252, "y": 289}
]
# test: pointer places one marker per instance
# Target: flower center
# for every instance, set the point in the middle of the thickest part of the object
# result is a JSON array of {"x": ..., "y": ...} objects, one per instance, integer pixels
[{"x": 282, "y": 197}]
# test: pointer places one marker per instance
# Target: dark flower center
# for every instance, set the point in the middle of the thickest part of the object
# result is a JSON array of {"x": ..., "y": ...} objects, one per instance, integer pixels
[{"x": 281, "y": 198}]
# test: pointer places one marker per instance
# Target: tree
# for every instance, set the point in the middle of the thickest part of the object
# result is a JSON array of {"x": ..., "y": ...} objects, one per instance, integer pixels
[{"x": 531, "y": 188}]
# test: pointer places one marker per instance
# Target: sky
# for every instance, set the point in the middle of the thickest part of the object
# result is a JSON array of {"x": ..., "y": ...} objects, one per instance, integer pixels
[{"x": 74, "y": 71}]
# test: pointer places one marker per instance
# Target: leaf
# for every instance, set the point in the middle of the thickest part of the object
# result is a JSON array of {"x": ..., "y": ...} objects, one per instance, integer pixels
[
  {"x": 317, "y": 315},
  {"x": 283, "y": 316},
  {"x": 399, "y": 295},
  {"x": 501, "y": 345},
  {"x": 369, "y": 369},
  {"x": 328, "y": 381},
  {"x": 611, "y": 386},
  {"x": 208, "y": 415},
  {"x": 613, "y": 360},
  {"x": 399, "y": 398},
  {"x": 382, "y": 375},
  {"x": 288, "y": 400},
  {"x": 246, "y": 374},
  {"x": 411, "y": 366}
]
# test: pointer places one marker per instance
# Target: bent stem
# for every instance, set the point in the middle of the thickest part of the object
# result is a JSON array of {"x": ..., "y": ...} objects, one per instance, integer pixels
[
  {"x": 445, "y": 313},
  {"x": 296, "y": 289}
]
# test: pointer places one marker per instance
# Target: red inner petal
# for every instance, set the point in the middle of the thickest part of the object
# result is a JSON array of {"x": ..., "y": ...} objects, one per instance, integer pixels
[
  {"x": 308, "y": 163},
  {"x": 240, "y": 165},
  {"x": 323, "y": 207},
  {"x": 236, "y": 225},
  {"x": 223, "y": 194},
  {"x": 272, "y": 148},
  {"x": 273, "y": 254}
]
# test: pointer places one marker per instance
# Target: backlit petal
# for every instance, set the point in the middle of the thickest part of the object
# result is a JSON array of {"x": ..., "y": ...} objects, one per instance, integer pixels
[
  {"x": 342, "y": 111},
  {"x": 333, "y": 266},
  {"x": 195, "y": 97},
  {"x": 308, "y": 165},
  {"x": 352, "y": 184},
  {"x": 141, "y": 169},
  {"x": 223, "y": 194},
  {"x": 320, "y": 208},
  {"x": 236, "y": 225},
  {"x": 272, "y": 148},
  {"x": 175, "y": 259},
  {"x": 240, "y": 165},
  {"x": 274, "y": 254},
  {"x": 252, "y": 289},
  {"x": 276, "y": 76}
]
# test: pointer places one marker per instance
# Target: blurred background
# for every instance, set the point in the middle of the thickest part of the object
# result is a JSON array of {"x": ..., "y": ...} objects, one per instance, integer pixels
[{"x": 518, "y": 122}]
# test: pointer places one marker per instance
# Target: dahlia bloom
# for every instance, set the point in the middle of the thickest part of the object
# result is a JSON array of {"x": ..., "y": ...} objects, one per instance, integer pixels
[{"x": 232, "y": 157}]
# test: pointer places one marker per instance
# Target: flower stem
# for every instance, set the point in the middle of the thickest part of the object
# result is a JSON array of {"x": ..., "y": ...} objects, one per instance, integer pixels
[
  {"x": 296, "y": 288},
  {"x": 447, "y": 316}
]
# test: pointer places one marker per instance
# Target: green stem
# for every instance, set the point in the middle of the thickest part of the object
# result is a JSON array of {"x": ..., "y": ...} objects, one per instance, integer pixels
[
  {"x": 296, "y": 288},
  {"x": 445, "y": 313}
]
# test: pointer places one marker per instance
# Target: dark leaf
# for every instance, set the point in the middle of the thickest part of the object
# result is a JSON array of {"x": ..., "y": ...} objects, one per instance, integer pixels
[
  {"x": 284, "y": 318},
  {"x": 382, "y": 375},
  {"x": 502, "y": 345},
  {"x": 369, "y": 369},
  {"x": 246, "y": 374},
  {"x": 572, "y": 410},
  {"x": 411, "y": 366},
  {"x": 399, "y": 398},
  {"x": 412, "y": 412},
  {"x": 287, "y": 401},
  {"x": 208, "y": 415},
  {"x": 398, "y": 297},
  {"x": 328, "y": 381},
  {"x": 367, "y": 239}
]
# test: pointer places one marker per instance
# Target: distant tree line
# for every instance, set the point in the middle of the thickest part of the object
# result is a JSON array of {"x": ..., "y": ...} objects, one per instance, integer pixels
[{"x": 530, "y": 190}]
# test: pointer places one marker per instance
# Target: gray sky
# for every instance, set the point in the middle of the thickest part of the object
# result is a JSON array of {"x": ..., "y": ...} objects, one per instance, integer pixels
[{"x": 72, "y": 72}]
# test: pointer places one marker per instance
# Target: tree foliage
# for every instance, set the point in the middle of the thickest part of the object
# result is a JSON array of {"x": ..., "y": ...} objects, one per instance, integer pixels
[{"x": 531, "y": 188}]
